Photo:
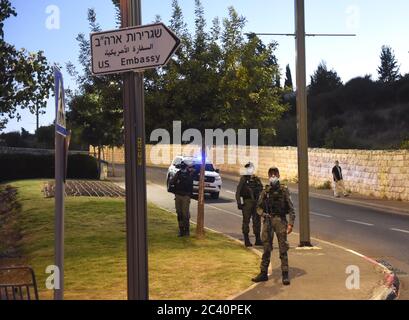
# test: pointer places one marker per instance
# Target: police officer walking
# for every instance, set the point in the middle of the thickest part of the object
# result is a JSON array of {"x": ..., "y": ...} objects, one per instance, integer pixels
[
  {"x": 274, "y": 204},
  {"x": 249, "y": 188},
  {"x": 182, "y": 185}
]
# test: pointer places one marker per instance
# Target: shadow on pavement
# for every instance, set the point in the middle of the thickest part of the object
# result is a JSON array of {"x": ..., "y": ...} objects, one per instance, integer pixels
[{"x": 267, "y": 290}]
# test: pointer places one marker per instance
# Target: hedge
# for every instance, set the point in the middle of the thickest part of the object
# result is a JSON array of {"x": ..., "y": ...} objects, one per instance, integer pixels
[{"x": 31, "y": 166}]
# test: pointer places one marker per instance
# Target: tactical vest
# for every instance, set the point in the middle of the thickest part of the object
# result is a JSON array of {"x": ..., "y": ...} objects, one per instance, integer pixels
[
  {"x": 251, "y": 188},
  {"x": 274, "y": 202},
  {"x": 183, "y": 183}
]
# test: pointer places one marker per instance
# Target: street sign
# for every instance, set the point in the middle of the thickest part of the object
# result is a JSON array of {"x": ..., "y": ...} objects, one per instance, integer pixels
[
  {"x": 134, "y": 48},
  {"x": 60, "y": 124}
]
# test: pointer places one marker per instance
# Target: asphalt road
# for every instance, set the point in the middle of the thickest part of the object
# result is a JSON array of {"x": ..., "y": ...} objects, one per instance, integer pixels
[{"x": 381, "y": 235}]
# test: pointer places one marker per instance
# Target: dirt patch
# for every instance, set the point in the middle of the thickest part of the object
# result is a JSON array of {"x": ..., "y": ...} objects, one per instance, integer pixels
[{"x": 84, "y": 188}]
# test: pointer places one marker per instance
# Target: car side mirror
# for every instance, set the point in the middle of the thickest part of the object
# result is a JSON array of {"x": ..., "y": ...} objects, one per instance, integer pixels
[{"x": 217, "y": 170}]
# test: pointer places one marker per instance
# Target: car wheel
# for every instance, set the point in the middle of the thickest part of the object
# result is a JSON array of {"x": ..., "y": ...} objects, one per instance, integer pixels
[
  {"x": 168, "y": 184},
  {"x": 215, "y": 195}
]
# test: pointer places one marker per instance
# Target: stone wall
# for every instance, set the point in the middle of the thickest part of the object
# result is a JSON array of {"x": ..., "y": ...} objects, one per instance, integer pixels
[{"x": 380, "y": 173}]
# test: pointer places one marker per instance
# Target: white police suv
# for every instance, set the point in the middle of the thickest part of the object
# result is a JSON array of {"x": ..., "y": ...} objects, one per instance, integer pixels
[{"x": 213, "y": 181}]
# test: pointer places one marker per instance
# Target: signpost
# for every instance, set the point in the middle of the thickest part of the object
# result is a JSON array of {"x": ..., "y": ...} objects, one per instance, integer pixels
[
  {"x": 134, "y": 48},
  {"x": 302, "y": 132},
  {"x": 60, "y": 168}
]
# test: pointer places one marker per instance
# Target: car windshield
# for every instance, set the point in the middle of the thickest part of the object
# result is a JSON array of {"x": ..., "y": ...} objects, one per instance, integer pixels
[{"x": 208, "y": 167}]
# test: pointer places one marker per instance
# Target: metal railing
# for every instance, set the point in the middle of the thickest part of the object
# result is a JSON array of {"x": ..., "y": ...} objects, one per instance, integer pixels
[{"x": 24, "y": 290}]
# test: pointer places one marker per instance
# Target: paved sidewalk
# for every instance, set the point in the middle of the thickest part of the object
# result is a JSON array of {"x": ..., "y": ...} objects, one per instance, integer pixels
[{"x": 320, "y": 274}]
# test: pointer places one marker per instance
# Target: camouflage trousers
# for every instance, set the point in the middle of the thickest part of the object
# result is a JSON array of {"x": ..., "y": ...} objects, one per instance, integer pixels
[
  {"x": 274, "y": 225},
  {"x": 182, "y": 204},
  {"x": 250, "y": 213}
]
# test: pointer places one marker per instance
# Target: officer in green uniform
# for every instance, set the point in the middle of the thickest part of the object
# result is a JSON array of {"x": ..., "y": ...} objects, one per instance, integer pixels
[
  {"x": 273, "y": 205},
  {"x": 182, "y": 186},
  {"x": 249, "y": 188}
]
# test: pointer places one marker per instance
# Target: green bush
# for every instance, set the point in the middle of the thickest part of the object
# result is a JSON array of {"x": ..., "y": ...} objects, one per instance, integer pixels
[
  {"x": 30, "y": 166},
  {"x": 327, "y": 185}
]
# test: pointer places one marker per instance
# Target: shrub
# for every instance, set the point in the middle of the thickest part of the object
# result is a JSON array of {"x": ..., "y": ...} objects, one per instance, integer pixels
[
  {"x": 30, "y": 166},
  {"x": 325, "y": 186}
]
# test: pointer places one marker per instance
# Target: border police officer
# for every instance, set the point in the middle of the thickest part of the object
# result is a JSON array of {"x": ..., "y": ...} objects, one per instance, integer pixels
[
  {"x": 274, "y": 204},
  {"x": 249, "y": 188},
  {"x": 182, "y": 184}
]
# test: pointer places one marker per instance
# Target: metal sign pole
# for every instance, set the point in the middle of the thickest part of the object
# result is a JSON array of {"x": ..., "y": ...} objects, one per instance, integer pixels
[
  {"x": 59, "y": 188},
  {"x": 59, "y": 216},
  {"x": 135, "y": 169},
  {"x": 302, "y": 130}
]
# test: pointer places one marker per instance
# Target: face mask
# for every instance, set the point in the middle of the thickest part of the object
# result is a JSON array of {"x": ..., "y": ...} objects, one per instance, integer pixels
[
  {"x": 274, "y": 181},
  {"x": 249, "y": 171}
]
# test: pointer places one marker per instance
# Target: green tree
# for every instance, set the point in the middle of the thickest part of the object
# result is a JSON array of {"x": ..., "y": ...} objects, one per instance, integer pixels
[
  {"x": 250, "y": 96},
  {"x": 45, "y": 136},
  {"x": 337, "y": 138},
  {"x": 26, "y": 77},
  {"x": 95, "y": 108},
  {"x": 389, "y": 69},
  {"x": 13, "y": 139},
  {"x": 324, "y": 80},
  {"x": 288, "y": 78}
]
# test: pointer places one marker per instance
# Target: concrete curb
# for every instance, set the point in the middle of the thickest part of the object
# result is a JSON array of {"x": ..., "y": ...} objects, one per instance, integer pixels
[{"x": 389, "y": 290}]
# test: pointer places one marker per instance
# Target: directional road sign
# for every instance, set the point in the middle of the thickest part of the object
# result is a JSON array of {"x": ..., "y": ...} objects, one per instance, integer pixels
[
  {"x": 60, "y": 124},
  {"x": 134, "y": 48}
]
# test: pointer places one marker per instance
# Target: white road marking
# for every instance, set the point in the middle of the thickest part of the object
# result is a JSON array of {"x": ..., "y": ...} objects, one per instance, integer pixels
[
  {"x": 226, "y": 211},
  {"x": 228, "y": 191},
  {"x": 321, "y": 214},
  {"x": 360, "y": 222},
  {"x": 399, "y": 230}
]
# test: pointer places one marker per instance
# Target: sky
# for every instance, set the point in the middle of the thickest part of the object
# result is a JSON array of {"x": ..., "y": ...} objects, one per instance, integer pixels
[{"x": 376, "y": 23}]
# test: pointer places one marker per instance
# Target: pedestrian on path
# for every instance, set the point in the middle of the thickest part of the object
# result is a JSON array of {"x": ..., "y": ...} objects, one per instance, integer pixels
[
  {"x": 339, "y": 186},
  {"x": 274, "y": 204},
  {"x": 182, "y": 185},
  {"x": 249, "y": 189}
]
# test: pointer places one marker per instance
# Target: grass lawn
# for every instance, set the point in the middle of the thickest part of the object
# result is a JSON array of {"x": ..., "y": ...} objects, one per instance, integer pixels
[{"x": 95, "y": 265}]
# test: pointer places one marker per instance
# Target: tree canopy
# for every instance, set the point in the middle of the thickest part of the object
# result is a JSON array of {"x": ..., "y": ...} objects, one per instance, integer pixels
[
  {"x": 95, "y": 108},
  {"x": 26, "y": 77},
  {"x": 218, "y": 78},
  {"x": 389, "y": 69},
  {"x": 324, "y": 80}
]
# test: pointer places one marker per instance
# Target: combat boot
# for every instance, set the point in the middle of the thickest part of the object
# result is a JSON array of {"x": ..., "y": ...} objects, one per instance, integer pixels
[
  {"x": 258, "y": 240},
  {"x": 286, "y": 279},
  {"x": 262, "y": 276},
  {"x": 247, "y": 242}
]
